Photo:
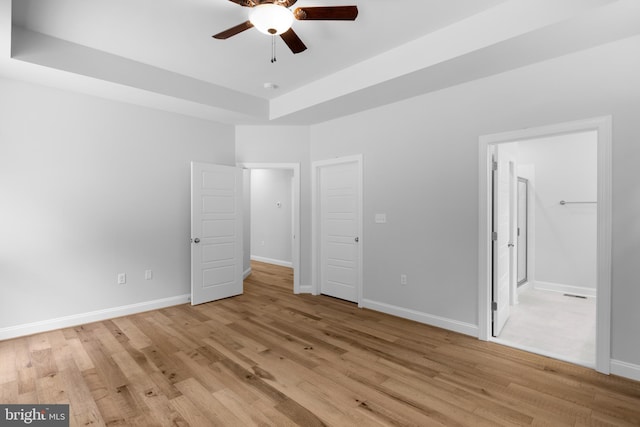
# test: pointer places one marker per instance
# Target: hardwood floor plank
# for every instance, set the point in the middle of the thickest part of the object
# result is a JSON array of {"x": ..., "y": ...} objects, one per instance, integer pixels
[
  {"x": 299, "y": 414},
  {"x": 109, "y": 410},
  {"x": 287, "y": 376},
  {"x": 146, "y": 324},
  {"x": 85, "y": 410},
  {"x": 491, "y": 394},
  {"x": 286, "y": 345},
  {"x": 38, "y": 342},
  {"x": 211, "y": 408},
  {"x": 189, "y": 411},
  {"x": 28, "y": 398},
  {"x": 202, "y": 372},
  {"x": 80, "y": 355},
  {"x": 25, "y": 370},
  {"x": 9, "y": 391},
  {"x": 135, "y": 336},
  {"x": 167, "y": 365},
  {"x": 8, "y": 365},
  {"x": 50, "y": 389},
  {"x": 272, "y": 358},
  {"x": 366, "y": 384},
  {"x": 275, "y": 417},
  {"x": 43, "y": 362},
  {"x": 247, "y": 414}
]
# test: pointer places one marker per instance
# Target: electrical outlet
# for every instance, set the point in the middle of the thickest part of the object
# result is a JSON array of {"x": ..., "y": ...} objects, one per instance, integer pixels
[
  {"x": 403, "y": 279},
  {"x": 148, "y": 275},
  {"x": 122, "y": 278}
]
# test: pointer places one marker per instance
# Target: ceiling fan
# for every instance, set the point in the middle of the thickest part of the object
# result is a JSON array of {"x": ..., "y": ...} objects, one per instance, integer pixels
[{"x": 273, "y": 17}]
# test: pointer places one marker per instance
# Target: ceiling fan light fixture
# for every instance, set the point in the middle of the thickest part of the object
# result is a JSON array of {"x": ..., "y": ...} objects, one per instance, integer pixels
[{"x": 271, "y": 19}]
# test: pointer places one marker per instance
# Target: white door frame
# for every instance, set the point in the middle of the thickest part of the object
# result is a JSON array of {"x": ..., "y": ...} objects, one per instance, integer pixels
[
  {"x": 603, "y": 301},
  {"x": 295, "y": 238},
  {"x": 315, "y": 220}
]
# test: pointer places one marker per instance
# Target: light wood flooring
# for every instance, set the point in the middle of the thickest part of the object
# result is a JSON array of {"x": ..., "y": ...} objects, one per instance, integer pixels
[{"x": 269, "y": 357}]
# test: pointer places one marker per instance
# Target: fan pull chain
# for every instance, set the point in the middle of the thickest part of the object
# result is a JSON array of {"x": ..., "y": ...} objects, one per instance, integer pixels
[{"x": 273, "y": 49}]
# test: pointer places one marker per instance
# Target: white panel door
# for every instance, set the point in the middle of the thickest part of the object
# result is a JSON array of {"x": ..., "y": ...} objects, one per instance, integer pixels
[
  {"x": 216, "y": 232},
  {"x": 501, "y": 241},
  {"x": 339, "y": 230}
]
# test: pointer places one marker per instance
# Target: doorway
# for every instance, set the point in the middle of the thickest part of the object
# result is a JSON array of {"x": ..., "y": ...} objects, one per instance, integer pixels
[
  {"x": 602, "y": 128},
  {"x": 553, "y": 311},
  {"x": 292, "y": 169}
]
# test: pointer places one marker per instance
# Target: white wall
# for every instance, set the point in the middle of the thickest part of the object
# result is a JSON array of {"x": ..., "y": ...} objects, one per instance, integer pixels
[
  {"x": 271, "y": 219},
  {"x": 565, "y": 235},
  {"x": 421, "y": 168},
  {"x": 283, "y": 144},
  {"x": 90, "y": 188}
]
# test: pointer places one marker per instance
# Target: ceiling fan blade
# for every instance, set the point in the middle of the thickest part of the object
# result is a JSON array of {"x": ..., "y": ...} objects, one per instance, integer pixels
[
  {"x": 326, "y": 13},
  {"x": 233, "y": 30},
  {"x": 293, "y": 41}
]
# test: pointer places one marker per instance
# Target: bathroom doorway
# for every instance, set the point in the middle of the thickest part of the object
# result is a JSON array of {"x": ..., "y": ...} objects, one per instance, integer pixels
[{"x": 545, "y": 269}]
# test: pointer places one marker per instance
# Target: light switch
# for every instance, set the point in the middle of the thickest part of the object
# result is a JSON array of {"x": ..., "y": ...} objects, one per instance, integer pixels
[{"x": 381, "y": 218}]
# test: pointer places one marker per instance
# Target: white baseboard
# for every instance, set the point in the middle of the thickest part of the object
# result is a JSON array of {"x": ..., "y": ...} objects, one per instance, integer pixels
[
  {"x": 418, "y": 316},
  {"x": 246, "y": 273},
  {"x": 90, "y": 317},
  {"x": 524, "y": 286},
  {"x": 272, "y": 261},
  {"x": 308, "y": 289},
  {"x": 565, "y": 289},
  {"x": 624, "y": 369}
]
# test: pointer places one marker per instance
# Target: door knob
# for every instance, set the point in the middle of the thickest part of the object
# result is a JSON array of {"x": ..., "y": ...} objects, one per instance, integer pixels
[
  {"x": 196, "y": 240},
  {"x": 357, "y": 239}
]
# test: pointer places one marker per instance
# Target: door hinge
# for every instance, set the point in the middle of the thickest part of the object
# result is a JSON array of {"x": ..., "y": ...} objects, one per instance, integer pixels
[
  {"x": 494, "y": 306},
  {"x": 494, "y": 165},
  {"x": 494, "y": 235}
]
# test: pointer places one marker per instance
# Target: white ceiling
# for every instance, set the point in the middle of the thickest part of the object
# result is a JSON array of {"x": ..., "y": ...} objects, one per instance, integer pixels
[
  {"x": 160, "y": 52},
  {"x": 176, "y": 35}
]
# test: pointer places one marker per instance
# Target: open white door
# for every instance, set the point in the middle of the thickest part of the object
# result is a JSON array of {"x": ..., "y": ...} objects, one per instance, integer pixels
[
  {"x": 501, "y": 241},
  {"x": 216, "y": 232}
]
